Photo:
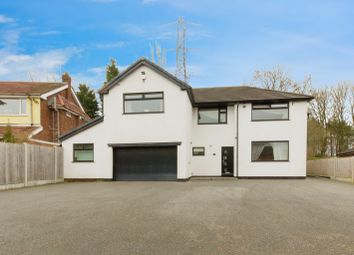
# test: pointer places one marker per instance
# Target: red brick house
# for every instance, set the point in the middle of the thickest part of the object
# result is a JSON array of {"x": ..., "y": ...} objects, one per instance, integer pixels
[{"x": 39, "y": 112}]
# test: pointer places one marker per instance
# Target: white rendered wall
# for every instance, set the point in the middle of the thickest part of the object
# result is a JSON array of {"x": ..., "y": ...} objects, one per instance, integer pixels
[
  {"x": 294, "y": 130},
  {"x": 212, "y": 137},
  {"x": 117, "y": 127}
]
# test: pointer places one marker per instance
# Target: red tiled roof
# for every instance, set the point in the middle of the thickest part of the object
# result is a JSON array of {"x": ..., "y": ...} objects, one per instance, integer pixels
[
  {"x": 28, "y": 88},
  {"x": 67, "y": 104}
]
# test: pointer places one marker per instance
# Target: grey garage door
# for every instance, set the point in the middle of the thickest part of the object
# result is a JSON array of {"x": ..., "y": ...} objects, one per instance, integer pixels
[{"x": 145, "y": 163}]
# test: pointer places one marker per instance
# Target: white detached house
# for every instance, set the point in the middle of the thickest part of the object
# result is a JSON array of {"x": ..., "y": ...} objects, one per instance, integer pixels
[{"x": 156, "y": 127}]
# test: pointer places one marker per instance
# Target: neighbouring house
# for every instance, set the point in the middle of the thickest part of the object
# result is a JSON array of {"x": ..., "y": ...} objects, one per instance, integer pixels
[
  {"x": 39, "y": 112},
  {"x": 157, "y": 127}
]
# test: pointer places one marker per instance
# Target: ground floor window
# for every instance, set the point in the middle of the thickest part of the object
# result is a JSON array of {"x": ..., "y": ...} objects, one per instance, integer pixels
[
  {"x": 83, "y": 152},
  {"x": 270, "y": 151}
]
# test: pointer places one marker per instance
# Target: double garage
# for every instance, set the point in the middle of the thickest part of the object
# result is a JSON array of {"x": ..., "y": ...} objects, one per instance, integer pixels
[{"x": 145, "y": 162}]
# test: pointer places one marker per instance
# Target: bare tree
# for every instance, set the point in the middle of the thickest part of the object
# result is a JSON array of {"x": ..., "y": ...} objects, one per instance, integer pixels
[
  {"x": 351, "y": 102},
  {"x": 320, "y": 106},
  {"x": 340, "y": 130},
  {"x": 278, "y": 79},
  {"x": 303, "y": 88},
  {"x": 275, "y": 79},
  {"x": 339, "y": 96},
  {"x": 320, "y": 110}
]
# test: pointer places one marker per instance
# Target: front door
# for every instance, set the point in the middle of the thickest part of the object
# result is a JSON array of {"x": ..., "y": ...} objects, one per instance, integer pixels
[{"x": 227, "y": 161}]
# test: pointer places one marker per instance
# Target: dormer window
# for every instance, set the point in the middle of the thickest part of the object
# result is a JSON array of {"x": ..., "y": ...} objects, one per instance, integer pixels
[{"x": 151, "y": 102}]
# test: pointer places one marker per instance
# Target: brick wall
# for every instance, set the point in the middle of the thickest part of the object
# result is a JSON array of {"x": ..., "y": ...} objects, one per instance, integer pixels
[
  {"x": 54, "y": 123},
  {"x": 20, "y": 133},
  {"x": 49, "y": 120},
  {"x": 69, "y": 121}
]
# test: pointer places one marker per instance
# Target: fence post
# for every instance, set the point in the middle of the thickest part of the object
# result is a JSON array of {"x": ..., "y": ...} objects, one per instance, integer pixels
[
  {"x": 26, "y": 164},
  {"x": 353, "y": 170},
  {"x": 6, "y": 164},
  {"x": 55, "y": 163}
]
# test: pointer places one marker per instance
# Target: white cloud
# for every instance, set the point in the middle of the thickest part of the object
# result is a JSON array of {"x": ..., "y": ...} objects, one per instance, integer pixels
[
  {"x": 4, "y": 19},
  {"x": 39, "y": 66},
  {"x": 93, "y": 76},
  {"x": 110, "y": 45},
  {"x": 44, "y": 33},
  {"x": 149, "y": 1},
  {"x": 101, "y": 1},
  {"x": 133, "y": 29},
  {"x": 9, "y": 38}
]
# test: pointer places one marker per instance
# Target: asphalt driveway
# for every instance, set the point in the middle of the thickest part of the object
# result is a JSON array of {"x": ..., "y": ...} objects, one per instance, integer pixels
[{"x": 312, "y": 216}]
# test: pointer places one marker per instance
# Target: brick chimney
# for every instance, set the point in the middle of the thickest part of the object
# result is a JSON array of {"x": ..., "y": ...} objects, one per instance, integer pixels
[{"x": 67, "y": 79}]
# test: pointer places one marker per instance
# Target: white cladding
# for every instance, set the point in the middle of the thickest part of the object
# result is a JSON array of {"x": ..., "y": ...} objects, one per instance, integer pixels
[
  {"x": 293, "y": 130},
  {"x": 170, "y": 126},
  {"x": 179, "y": 123}
]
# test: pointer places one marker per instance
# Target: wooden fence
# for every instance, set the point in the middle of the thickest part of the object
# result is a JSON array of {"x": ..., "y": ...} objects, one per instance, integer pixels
[
  {"x": 24, "y": 165},
  {"x": 336, "y": 168}
]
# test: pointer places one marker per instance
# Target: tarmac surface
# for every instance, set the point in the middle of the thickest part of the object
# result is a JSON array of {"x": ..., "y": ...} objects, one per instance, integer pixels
[{"x": 311, "y": 216}]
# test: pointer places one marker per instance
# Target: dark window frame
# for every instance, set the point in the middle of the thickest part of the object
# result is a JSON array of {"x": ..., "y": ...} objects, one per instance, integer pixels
[
  {"x": 219, "y": 112},
  {"x": 273, "y": 141},
  {"x": 143, "y": 94},
  {"x": 197, "y": 154},
  {"x": 269, "y": 108},
  {"x": 83, "y": 144}
]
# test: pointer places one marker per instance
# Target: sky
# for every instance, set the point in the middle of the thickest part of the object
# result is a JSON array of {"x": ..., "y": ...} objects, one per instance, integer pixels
[{"x": 227, "y": 40}]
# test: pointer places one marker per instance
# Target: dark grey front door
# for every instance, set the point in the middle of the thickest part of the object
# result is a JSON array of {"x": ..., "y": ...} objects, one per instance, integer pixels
[
  {"x": 145, "y": 163},
  {"x": 227, "y": 161}
]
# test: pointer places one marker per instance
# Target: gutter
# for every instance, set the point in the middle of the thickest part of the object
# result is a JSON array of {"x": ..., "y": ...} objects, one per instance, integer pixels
[
  {"x": 237, "y": 138},
  {"x": 37, "y": 131}
]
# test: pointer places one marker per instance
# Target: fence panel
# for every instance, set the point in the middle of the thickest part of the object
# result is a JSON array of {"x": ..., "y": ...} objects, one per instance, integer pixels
[
  {"x": 2, "y": 164},
  {"x": 27, "y": 164},
  {"x": 340, "y": 168},
  {"x": 60, "y": 162}
]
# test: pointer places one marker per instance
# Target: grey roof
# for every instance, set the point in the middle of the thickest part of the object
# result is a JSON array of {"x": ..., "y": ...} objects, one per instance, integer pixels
[
  {"x": 85, "y": 126},
  {"x": 243, "y": 94}
]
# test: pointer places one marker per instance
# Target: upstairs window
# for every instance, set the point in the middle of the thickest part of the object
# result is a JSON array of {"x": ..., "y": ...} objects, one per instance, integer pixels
[
  {"x": 83, "y": 152},
  {"x": 143, "y": 103},
  {"x": 270, "y": 112},
  {"x": 212, "y": 115},
  {"x": 13, "y": 106}
]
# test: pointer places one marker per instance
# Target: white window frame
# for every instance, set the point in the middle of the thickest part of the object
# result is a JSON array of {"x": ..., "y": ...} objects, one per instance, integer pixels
[{"x": 20, "y": 99}]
